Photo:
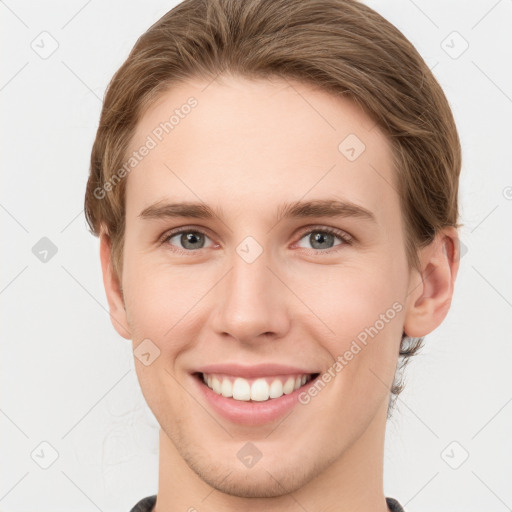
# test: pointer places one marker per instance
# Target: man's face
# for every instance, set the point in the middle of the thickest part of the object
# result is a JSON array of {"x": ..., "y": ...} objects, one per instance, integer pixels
[{"x": 252, "y": 287}]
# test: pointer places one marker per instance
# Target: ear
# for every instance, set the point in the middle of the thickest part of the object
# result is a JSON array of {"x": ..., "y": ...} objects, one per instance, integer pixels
[
  {"x": 113, "y": 288},
  {"x": 431, "y": 290}
]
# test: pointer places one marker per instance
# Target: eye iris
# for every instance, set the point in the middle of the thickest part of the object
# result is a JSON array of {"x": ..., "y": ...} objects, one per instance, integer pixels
[
  {"x": 192, "y": 237},
  {"x": 319, "y": 237}
]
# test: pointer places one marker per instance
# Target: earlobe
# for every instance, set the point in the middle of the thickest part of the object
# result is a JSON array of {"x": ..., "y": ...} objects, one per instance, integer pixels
[
  {"x": 112, "y": 288},
  {"x": 430, "y": 293}
]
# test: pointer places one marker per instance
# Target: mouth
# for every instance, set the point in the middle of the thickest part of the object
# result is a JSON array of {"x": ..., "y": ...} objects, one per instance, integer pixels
[{"x": 260, "y": 389}]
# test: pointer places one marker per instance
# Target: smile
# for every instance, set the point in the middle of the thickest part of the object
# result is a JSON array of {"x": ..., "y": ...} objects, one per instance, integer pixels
[{"x": 258, "y": 390}]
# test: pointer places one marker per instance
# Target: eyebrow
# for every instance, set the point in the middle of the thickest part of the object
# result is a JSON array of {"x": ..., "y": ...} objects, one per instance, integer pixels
[{"x": 296, "y": 209}]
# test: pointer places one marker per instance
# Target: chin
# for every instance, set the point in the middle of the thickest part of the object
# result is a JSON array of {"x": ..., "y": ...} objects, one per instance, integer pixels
[{"x": 251, "y": 484}]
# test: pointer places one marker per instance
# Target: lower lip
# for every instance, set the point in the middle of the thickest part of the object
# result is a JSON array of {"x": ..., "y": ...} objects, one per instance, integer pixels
[{"x": 250, "y": 413}]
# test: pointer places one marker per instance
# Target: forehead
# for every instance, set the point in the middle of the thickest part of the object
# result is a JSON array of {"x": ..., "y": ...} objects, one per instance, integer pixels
[{"x": 250, "y": 145}]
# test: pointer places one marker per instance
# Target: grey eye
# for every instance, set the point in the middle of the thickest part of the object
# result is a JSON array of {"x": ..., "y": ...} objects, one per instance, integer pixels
[
  {"x": 189, "y": 240},
  {"x": 320, "y": 239}
]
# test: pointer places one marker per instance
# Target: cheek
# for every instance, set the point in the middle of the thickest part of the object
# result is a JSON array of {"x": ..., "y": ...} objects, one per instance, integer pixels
[
  {"x": 361, "y": 312},
  {"x": 348, "y": 296},
  {"x": 162, "y": 300}
]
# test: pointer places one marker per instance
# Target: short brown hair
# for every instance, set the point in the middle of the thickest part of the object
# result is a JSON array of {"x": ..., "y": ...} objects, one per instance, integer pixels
[{"x": 341, "y": 46}]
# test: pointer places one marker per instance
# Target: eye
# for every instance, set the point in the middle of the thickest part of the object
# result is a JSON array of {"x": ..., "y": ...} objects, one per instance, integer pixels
[
  {"x": 322, "y": 238},
  {"x": 189, "y": 240}
]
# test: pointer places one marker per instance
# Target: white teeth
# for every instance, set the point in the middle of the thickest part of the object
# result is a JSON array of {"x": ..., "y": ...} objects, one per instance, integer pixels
[
  {"x": 227, "y": 388},
  {"x": 258, "y": 390},
  {"x": 241, "y": 389},
  {"x": 216, "y": 385},
  {"x": 289, "y": 385},
  {"x": 276, "y": 389}
]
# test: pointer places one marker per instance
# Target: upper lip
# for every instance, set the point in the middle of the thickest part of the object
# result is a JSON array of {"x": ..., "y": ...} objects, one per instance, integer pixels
[{"x": 253, "y": 371}]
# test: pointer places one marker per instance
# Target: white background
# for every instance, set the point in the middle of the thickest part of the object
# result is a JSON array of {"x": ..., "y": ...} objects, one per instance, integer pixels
[{"x": 68, "y": 378}]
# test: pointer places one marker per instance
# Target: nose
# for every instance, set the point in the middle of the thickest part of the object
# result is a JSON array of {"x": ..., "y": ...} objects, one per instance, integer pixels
[{"x": 252, "y": 303}]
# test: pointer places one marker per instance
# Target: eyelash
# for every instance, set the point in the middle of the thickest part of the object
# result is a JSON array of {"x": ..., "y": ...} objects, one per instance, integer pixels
[{"x": 344, "y": 237}]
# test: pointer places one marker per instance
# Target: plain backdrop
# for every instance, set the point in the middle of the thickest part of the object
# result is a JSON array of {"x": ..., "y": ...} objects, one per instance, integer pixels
[{"x": 76, "y": 434}]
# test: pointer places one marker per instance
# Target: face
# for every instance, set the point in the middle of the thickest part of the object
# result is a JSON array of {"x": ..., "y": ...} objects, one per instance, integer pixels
[{"x": 252, "y": 283}]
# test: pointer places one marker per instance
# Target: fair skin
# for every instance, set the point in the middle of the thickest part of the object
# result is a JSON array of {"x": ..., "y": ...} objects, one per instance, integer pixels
[{"x": 247, "y": 148}]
